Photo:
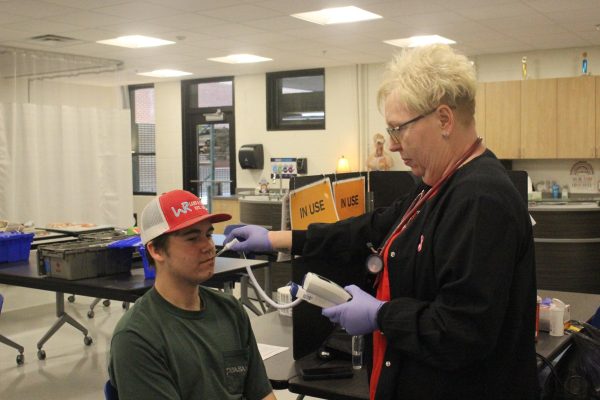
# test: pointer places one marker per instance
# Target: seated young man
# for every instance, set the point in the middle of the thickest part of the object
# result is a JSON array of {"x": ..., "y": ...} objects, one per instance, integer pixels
[{"x": 182, "y": 340}]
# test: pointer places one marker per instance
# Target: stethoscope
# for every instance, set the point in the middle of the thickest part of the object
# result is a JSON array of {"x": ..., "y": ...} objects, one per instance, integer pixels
[{"x": 374, "y": 262}]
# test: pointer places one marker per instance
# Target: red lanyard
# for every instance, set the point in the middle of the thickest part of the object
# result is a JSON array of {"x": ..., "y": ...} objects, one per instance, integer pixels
[{"x": 422, "y": 197}]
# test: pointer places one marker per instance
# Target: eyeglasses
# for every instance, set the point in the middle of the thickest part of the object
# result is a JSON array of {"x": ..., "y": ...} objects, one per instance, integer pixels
[{"x": 396, "y": 131}]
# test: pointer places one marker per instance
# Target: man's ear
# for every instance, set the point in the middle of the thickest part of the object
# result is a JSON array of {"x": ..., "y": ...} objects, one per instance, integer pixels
[{"x": 157, "y": 255}]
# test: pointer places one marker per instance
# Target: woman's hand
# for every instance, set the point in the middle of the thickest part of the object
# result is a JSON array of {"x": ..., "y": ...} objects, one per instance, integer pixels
[
  {"x": 251, "y": 238},
  {"x": 359, "y": 315}
]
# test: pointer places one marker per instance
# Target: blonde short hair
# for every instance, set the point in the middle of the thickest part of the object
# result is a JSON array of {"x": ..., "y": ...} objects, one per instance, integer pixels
[{"x": 425, "y": 77}]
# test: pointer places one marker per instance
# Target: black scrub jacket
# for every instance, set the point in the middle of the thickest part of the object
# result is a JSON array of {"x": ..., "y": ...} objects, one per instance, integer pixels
[{"x": 461, "y": 321}]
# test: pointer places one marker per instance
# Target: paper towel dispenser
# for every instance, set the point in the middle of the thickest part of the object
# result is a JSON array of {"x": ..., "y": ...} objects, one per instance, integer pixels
[{"x": 250, "y": 156}]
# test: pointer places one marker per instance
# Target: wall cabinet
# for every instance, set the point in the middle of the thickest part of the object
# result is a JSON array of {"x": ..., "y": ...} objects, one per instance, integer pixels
[
  {"x": 538, "y": 118},
  {"x": 480, "y": 110},
  {"x": 576, "y": 117},
  {"x": 503, "y": 118},
  {"x": 541, "y": 119}
]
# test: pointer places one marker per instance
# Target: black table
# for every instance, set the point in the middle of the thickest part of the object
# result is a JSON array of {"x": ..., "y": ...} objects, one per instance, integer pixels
[
  {"x": 269, "y": 326},
  {"x": 126, "y": 287}
]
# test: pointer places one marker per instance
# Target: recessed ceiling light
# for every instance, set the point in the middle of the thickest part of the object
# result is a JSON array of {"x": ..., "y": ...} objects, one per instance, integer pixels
[
  {"x": 135, "y": 41},
  {"x": 337, "y": 15},
  {"x": 416, "y": 41},
  {"x": 240, "y": 59},
  {"x": 165, "y": 73}
]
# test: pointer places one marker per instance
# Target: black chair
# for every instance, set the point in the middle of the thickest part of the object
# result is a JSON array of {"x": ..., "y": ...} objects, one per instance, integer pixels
[
  {"x": 8, "y": 342},
  {"x": 110, "y": 392}
]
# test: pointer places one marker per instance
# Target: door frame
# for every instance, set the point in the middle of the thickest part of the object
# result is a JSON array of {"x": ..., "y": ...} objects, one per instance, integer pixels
[{"x": 193, "y": 116}]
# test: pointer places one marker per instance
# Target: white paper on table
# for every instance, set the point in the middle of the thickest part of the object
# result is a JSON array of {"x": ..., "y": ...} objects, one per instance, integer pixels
[{"x": 267, "y": 350}]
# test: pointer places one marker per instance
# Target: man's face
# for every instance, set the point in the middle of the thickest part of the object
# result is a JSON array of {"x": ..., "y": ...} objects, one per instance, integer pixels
[{"x": 190, "y": 255}]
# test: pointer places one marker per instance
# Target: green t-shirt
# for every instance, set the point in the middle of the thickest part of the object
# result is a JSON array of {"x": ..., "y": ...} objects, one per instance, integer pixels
[{"x": 159, "y": 351}]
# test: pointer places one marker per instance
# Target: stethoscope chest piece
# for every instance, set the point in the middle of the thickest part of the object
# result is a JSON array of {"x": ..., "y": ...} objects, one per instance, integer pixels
[{"x": 374, "y": 263}]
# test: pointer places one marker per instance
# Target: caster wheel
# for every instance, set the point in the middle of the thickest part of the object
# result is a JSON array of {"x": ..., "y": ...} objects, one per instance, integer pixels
[
  {"x": 125, "y": 305},
  {"x": 87, "y": 340},
  {"x": 90, "y": 314},
  {"x": 41, "y": 354},
  {"x": 106, "y": 303},
  {"x": 20, "y": 359},
  {"x": 71, "y": 298}
]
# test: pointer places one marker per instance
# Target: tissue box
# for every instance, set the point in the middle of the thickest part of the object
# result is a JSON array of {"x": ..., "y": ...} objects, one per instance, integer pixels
[
  {"x": 545, "y": 315},
  {"x": 15, "y": 246}
]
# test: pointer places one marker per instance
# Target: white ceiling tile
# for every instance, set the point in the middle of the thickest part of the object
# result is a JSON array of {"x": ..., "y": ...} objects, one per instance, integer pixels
[
  {"x": 529, "y": 21},
  {"x": 560, "y": 5},
  {"x": 136, "y": 28},
  {"x": 88, "y": 19},
  {"x": 556, "y": 40},
  {"x": 435, "y": 19},
  {"x": 289, "y": 7},
  {"x": 195, "y": 5},
  {"x": 593, "y": 37},
  {"x": 6, "y": 18},
  {"x": 11, "y": 34},
  {"x": 85, "y": 4},
  {"x": 32, "y": 8},
  {"x": 578, "y": 20},
  {"x": 41, "y": 27},
  {"x": 187, "y": 21},
  {"x": 138, "y": 10},
  {"x": 266, "y": 38},
  {"x": 496, "y": 11},
  {"x": 209, "y": 28},
  {"x": 404, "y": 7},
  {"x": 243, "y": 12},
  {"x": 277, "y": 23},
  {"x": 226, "y": 30}
]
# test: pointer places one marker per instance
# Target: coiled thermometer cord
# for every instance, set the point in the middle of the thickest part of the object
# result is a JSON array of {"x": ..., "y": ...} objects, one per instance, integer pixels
[{"x": 257, "y": 287}]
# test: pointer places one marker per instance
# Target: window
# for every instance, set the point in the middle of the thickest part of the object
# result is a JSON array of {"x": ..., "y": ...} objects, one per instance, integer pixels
[
  {"x": 143, "y": 129},
  {"x": 296, "y": 100}
]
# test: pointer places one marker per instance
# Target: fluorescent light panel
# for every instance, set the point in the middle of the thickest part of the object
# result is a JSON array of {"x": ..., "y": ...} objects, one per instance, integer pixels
[
  {"x": 135, "y": 41},
  {"x": 417, "y": 41},
  {"x": 337, "y": 15},
  {"x": 240, "y": 59},
  {"x": 165, "y": 73}
]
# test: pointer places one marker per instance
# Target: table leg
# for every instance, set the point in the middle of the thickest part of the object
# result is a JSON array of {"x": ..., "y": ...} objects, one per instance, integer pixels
[{"x": 63, "y": 318}]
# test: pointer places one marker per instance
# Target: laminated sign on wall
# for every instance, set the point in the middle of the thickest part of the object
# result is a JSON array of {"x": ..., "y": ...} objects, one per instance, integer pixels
[
  {"x": 312, "y": 203},
  {"x": 350, "y": 197}
]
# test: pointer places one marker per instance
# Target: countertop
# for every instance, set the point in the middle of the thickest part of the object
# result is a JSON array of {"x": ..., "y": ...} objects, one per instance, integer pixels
[{"x": 564, "y": 206}]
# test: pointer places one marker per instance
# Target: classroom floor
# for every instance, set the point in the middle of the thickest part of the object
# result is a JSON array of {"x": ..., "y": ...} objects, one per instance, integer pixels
[{"x": 71, "y": 370}]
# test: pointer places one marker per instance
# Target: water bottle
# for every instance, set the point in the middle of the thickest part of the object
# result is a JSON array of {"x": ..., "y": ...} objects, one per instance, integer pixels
[{"x": 555, "y": 191}]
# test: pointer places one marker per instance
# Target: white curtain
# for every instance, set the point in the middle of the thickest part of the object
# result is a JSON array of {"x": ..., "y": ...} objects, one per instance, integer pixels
[{"x": 65, "y": 164}]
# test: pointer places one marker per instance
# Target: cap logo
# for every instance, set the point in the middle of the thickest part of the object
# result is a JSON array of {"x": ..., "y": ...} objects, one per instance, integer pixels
[{"x": 185, "y": 207}]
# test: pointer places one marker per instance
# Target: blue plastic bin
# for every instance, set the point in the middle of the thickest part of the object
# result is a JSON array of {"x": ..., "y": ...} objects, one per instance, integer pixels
[
  {"x": 15, "y": 246},
  {"x": 149, "y": 271}
]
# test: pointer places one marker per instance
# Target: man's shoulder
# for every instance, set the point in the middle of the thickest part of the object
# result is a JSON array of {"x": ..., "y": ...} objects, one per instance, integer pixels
[{"x": 139, "y": 317}]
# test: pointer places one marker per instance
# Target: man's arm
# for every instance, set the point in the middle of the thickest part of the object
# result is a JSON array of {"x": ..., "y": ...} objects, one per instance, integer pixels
[{"x": 136, "y": 373}]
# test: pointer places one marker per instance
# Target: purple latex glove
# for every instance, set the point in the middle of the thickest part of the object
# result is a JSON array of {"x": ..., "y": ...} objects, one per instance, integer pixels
[
  {"x": 251, "y": 238},
  {"x": 359, "y": 315}
]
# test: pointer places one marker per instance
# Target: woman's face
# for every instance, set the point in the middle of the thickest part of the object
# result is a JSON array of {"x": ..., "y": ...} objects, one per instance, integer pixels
[{"x": 417, "y": 141}]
